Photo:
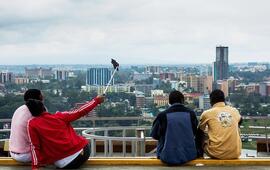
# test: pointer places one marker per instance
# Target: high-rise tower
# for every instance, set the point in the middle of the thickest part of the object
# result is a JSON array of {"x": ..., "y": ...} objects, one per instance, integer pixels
[
  {"x": 98, "y": 76},
  {"x": 221, "y": 65}
]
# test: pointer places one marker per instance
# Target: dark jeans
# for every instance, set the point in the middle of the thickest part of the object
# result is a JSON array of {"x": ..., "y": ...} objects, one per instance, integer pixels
[{"x": 80, "y": 159}]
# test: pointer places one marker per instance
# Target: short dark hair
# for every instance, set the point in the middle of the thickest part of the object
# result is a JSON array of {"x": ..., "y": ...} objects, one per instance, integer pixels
[
  {"x": 32, "y": 94},
  {"x": 217, "y": 96},
  {"x": 36, "y": 107},
  {"x": 176, "y": 97}
]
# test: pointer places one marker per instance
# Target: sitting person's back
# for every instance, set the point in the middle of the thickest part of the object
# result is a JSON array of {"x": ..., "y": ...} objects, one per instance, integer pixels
[
  {"x": 221, "y": 124},
  {"x": 19, "y": 144},
  {"x": 175, "y": 130},
  {"x": 53, "y": 140}
]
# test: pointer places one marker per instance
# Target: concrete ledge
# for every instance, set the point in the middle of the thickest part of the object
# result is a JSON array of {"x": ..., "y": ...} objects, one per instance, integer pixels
[
  {"x": 156, "y": 162},
  {"x": 9, "y": 161},
  {"x": 142, "y": 161}
]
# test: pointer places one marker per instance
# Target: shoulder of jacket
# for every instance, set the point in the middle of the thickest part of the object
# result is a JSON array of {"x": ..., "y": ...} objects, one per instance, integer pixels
[
  {"x": 209, "y": 111},
  {"x": 234, "y": 109},
  {"x": 161, "y": 114},
  {"x": 188, "y": 110},
  {"x": 32, "y": 121},
  {"x": 21, "y": 108}
]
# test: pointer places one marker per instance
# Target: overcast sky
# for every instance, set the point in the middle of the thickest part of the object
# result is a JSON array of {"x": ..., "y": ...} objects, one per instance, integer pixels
[{"x": 132, "y": 31}]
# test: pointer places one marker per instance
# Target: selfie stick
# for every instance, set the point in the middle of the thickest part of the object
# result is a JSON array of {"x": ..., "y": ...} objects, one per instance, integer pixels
[
  {"x": 116, "y": 67},
  {"x": 104, "y": 92}
]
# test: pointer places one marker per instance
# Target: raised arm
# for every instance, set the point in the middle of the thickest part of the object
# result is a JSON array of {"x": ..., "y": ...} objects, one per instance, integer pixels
[{"x": 83, "y": 110}]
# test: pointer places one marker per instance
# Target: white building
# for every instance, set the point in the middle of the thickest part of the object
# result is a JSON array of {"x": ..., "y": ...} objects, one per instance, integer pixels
[
  {"x": 157, "y": 93},
  {"x": 61, "y": 75},
  {"x": 114, "y": 88},
  {"x": 141, "y": 76},
  {"x": 204, "y": 102}
]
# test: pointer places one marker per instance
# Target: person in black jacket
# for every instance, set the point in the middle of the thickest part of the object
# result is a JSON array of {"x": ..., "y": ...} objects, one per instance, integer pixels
[{"x": 175, "y": 129}]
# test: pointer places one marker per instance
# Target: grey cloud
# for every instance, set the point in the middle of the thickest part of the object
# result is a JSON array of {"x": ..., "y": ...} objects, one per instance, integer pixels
[{"x": 152, "y": 31}]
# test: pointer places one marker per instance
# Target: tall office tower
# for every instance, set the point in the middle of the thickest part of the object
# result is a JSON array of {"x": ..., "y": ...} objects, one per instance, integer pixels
[
  {"x": 98, "y": 76},
  {"x": 221, "y": 65}
]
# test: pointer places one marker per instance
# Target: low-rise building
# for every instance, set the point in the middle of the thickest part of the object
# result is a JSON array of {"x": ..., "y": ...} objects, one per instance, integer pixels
[
  {"x": 161, "y": 100},
  {"x": 38, "y": 72},
  {"x": 140, "y": 99},
  {"x": 167, "y": 76},
  {"x": 113, "y": 88},
  {"x": 191, "y": 97},
  {"x": 141, "y": 76},
  {"x": 157, "y": 93},
  {"x": 249, "y": 88},
  {"x": 265, "y": 88},
  {"x": 21, "y": 80}
]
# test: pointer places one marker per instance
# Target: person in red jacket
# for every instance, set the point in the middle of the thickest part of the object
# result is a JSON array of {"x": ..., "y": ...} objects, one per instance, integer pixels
[{"x": 52, "y": 138}]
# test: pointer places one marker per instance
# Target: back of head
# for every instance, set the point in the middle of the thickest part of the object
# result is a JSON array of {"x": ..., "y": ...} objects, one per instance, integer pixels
[
  {"x": 33, "y": 94},
  {"x": 217, "y": 96},
  {"x": 36, "y": 107},
  {"x": 176, "y": 97}
]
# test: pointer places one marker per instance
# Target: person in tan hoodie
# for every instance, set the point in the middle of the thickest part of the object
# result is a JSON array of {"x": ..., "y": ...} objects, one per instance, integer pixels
[{"x": 220, "y": 126}]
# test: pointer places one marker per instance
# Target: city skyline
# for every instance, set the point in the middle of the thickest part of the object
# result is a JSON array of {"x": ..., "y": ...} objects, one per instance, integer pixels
[{"x": 137, "y": 32}]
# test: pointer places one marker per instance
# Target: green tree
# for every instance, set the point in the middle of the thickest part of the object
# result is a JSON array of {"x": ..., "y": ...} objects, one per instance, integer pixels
[
  {"x": 8, "y": 104},
  {"x": 165, "y": 86}
]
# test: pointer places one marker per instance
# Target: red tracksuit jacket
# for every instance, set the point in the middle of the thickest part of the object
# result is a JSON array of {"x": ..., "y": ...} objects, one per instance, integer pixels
[{"x": 53, "y": 138}]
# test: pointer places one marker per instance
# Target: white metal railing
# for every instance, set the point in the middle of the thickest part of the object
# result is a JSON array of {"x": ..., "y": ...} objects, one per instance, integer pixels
[
  {"x": 139, "y": 140},
  {"x": 141, "y": 118},
  {"x": 4, "y": 131},
  {"x": 137, "y": 143}
]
